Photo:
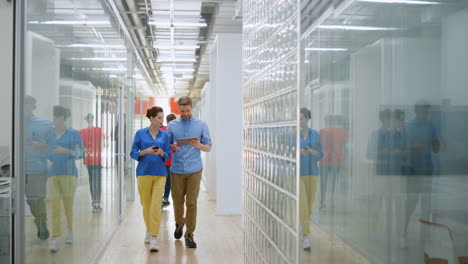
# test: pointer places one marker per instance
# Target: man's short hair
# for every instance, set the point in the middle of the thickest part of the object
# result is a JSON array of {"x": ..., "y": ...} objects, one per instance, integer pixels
[{"x": 184, "y": 100}]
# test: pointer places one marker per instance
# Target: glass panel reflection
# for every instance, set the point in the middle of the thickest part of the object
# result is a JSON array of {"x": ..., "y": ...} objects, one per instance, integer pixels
[
  {"x": 76, "y": 60},
  {"x": 383, "y": 82}
]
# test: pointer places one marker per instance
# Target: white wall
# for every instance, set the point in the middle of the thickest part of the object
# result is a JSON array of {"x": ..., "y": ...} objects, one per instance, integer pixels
[
  {"x": 224, "y": 101},
  {"x": 454, "y": 58},
  {"x": 209, "y": 159},
  {"x": 42, "y": 73}
]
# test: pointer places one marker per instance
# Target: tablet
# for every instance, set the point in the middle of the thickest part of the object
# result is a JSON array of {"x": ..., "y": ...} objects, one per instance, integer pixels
[{"x": 185, "y": 141}]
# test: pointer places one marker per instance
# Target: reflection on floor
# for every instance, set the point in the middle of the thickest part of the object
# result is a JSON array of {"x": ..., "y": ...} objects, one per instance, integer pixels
[
  {"x": 91, "y": 230},
  {"x": 218, "y": 238},
  {"x": 329, "y": 249}
]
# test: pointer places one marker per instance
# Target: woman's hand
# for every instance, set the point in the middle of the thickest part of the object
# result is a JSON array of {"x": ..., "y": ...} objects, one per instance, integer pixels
[
  {"x": 60, "y": 150},
  {"x": 308, "y": 151},
  {"x": 147, "y": 151},
  {"x": 159, "y": 152}
]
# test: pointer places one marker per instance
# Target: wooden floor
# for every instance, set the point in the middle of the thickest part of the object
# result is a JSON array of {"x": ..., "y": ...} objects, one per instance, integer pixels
[{"x": 218, "y": 238}]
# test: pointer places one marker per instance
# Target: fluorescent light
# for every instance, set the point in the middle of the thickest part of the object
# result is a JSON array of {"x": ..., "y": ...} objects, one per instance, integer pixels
[
  {"x": 103, "y": 69},
  {"x": 171, "y": 69},
  {"x": 177, "y": 47},
  {"x": 98, "y": 59},
  {"x": 409, "y": 2},
  {"x": 361, "y": 28},
  {"x": 178, "y": 24},
  {"x": 325, "y": 49},
  {"x": 70, "y": 22},
  {"x": 177, "y": 60},
  {"x": 91, "y": 46}
]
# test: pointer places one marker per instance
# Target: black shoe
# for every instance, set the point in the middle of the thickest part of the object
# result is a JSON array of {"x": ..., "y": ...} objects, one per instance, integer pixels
[
  {"x": 178, "y": 231},
  {"x": 165, "y": 203},
  {"x": 43, "y": 232},
  {"x": 189, "y": 242}
]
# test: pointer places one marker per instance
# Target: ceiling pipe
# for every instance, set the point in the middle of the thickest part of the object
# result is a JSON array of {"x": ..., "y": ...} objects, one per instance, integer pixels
[
  {"x": 141, "y": 34},
  {"x": 123, "y": 21}
]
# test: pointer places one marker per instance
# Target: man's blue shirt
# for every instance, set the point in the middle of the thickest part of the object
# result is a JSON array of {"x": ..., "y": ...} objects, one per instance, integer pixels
[
  {"x": 38, "y": 130},
  {"x": 188, "y": 159}
]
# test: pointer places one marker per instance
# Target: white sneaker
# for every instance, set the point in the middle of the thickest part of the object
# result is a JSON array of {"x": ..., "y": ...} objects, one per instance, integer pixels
[
  {"x": 306, "y": 243},
  {"x": 69, "y": 239},
  {"x": 154, "y": 244},
  {"x": 147, "y": 238},
  {"x": 53, "y": 246}
]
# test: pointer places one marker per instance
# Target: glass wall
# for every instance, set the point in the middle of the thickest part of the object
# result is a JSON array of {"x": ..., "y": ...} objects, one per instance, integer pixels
[
  {"x": 79, "y": 86},
  {"x": 385, "y": 83},
  {"x": 378, "y": 115},
  {"x": 6, "y": 104},
  {"x": 270, "y": 56}
]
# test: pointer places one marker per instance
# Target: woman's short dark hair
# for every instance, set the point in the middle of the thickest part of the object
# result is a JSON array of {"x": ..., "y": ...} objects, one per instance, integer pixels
[
  {"x": 306, "y": 113},
  {"x": 170, "y": 117},
  {"x": 61, "y": 111},
  {"x": 153, "y": 111}
]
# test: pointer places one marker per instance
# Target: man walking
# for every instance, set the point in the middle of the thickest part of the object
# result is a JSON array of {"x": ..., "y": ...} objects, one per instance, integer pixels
[{"x": 187, "y": 167}]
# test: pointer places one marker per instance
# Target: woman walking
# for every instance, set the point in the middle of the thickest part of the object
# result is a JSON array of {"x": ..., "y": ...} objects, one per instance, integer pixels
[{"x": 151, "y": 149}]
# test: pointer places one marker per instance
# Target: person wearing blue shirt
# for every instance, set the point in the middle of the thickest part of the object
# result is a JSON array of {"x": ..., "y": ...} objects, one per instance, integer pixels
[
  {"x": 37, "y": 134},
  {"x": 387, "y": 151},
  {"x": 186, "y": 169},
  {"x": 311, "y": 153},
  {"x": 64, "y": 147},
  {"x": 422, "y": 141},
  {"x": 151, "y": 149}
]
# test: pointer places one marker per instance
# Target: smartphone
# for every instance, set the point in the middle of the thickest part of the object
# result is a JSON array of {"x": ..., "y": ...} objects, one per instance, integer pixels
[{"x": 155, "y": 148}]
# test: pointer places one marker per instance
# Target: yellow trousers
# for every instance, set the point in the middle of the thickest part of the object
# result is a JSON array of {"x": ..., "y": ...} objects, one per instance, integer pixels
[
  {"x": 307, "y": 196},
  {"x": 151, "y": 189},
  {"x": 62, "y": 188}
]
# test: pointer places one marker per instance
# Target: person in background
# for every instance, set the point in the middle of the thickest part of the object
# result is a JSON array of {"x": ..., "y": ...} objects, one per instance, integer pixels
[
  {"x": 65, "y": 147},
  {"x": 333, "y": 140},
  {"x": 151, "y": 149},
  {"x": 167, "y": 189},
  {"x": 92, "y": 140},
  {"x": 187, "y": 167},
  {"x": 37, "y": 133},
  {"x": 311, "y": 153},
  {"x": 422, "y": 142},
  {"x": 387, "y": 151}
]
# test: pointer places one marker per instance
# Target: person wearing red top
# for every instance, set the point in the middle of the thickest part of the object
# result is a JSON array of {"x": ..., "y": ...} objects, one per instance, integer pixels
[
  {"x": 333, "y": 139},
  {"x": 167, "y": 189},
  {"x": 92, "y": 142}
]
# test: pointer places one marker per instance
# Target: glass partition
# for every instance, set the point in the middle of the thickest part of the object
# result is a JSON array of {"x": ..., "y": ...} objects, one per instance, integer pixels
[
  {"x": 79, "y": 81},
  {"x": 384, "y": 82}
]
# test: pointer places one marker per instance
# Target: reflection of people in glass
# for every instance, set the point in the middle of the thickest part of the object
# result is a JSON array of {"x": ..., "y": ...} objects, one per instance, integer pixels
[
  {"x": 386, "y": 149},
  {"x": 422, "y": 141},
  {"x": 151, "y": 149},
  {"x": 333, "y": 140},
  {"x": 37, "y": 133},
  {"x": 92, "y": 141},
  {"x": 311, "y": 153},
  {"x": 65, "y": 146},
  {"x": 387, "y": 145},
  {"x": 116, "y": 138},
  {"x": 167, "y": 189}
]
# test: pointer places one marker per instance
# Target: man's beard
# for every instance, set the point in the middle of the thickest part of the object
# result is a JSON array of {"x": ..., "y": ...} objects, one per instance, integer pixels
[{"x": 186, "y": 117}]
